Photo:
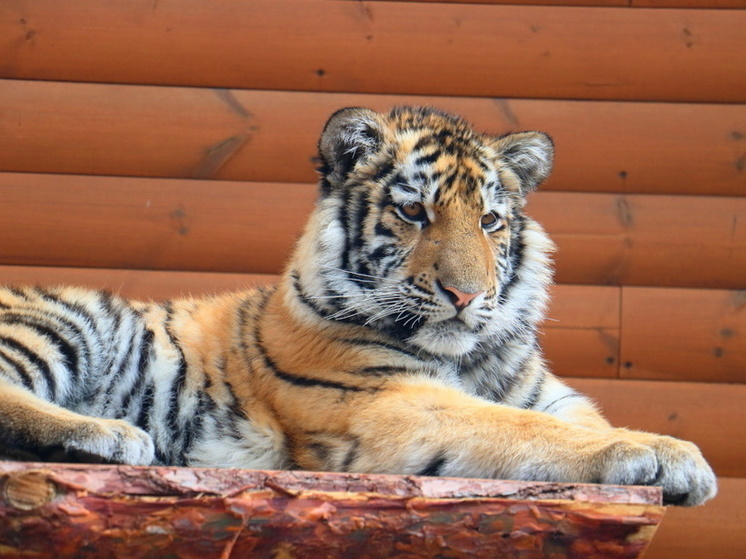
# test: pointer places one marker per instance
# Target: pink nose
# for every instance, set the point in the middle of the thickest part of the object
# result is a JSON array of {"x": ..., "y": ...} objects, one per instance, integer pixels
[{"x": 458, "y": 297}]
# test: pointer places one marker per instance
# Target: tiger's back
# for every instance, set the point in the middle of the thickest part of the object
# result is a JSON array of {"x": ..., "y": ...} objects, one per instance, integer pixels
[{"x": 402, "y": 337}]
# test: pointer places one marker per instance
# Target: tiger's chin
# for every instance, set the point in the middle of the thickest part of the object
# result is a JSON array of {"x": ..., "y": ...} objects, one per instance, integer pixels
[{"x": 451, "y": 338}]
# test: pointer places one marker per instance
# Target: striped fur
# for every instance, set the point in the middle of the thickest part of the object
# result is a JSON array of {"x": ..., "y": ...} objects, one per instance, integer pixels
[{"x": 402, "y": 338}]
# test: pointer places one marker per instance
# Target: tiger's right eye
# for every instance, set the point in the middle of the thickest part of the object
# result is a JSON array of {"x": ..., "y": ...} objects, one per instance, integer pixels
[{"x": 413, "y": 211}]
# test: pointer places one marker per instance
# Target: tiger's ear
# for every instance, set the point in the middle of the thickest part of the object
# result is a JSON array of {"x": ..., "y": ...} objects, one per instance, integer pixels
[
  {"x": 349, "y": 135},
  {"x": 529, "y": 155}
]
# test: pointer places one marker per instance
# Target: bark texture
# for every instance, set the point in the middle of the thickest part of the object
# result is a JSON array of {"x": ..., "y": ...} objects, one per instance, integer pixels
[{"x": 71, "y": 510}]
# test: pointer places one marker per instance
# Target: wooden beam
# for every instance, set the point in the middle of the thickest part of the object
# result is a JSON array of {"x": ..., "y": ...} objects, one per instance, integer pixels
[
  {"x": 681, "y": 241},
  {"x": 702, "y": 4},
  {"x": 271, "y": 136},
  {"x": 61, "y": 510},
  {"x": 382, "y": 47},
  {"x": 684, "y": 334},
  {"x": 219, "y": 226}
]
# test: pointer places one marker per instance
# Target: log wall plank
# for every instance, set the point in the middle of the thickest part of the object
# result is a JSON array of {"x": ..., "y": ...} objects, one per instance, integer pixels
[
  {"x": 122, "y": 223},
  {"x": 55, "y": 127},
  {"x": 684, "y": 241},
  {"x": 705, "y": 4},
  {"x": 382, "y": 47},
  {"x": 711, "y": 415},
  {"x": 683, "y": 334},
  {"x": 222, "y": 226}
]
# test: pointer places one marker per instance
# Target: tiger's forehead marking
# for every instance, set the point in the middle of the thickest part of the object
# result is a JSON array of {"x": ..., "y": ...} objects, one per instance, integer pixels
[{"x": 445, "y": 169}]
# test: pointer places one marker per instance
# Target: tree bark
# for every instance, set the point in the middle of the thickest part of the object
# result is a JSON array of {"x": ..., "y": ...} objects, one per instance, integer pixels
[{"x": 73, "y": 510}]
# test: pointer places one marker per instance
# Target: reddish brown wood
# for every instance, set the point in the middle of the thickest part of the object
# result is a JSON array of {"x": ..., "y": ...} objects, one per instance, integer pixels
[
  {"x": 84, "y": 511},
  {"x": 683, "y": 334},
  {"x": 705, "y": 4},
  {"x": 682, "y": 241},
  {"x": 59, "y": 220},
  {"x": 385, "y": 47},
  {"x": 271, "y": 136}
]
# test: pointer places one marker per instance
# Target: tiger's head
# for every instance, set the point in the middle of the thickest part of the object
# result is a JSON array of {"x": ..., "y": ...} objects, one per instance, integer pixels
[{"x": 419, "y": 230}]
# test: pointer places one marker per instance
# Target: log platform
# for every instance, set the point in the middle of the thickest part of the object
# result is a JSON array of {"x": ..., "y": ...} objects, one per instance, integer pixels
[{"x": 73, "y": 510}]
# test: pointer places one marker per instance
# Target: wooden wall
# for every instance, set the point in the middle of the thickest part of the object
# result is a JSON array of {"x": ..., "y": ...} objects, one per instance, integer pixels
[{"x": 166, "y": 147}]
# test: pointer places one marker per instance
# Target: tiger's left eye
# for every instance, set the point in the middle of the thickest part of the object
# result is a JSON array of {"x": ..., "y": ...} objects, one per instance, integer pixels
[{"x": 491, "y": 221}]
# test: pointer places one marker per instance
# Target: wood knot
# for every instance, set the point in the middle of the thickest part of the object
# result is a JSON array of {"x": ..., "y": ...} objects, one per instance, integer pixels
[{"x": 28, "y": 490}]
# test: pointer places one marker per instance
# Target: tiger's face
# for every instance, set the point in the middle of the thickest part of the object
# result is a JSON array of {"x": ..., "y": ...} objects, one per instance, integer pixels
[{"x": 420, "y": 223}]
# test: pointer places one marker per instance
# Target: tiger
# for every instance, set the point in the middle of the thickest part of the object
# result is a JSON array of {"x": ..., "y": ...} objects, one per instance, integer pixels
[{"x": 401, "y": 338}]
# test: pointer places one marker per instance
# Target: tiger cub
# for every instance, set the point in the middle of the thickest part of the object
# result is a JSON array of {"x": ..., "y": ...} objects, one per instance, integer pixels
[{"x": 401, "y": 339}]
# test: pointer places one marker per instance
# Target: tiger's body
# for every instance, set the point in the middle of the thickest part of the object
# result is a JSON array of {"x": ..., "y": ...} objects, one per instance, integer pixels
[{"x": 402, "y": 338}]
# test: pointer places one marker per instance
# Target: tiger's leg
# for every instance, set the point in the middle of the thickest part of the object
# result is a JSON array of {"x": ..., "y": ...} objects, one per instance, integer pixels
[
  {"x": 682, "y": 471},
  {"x": 29, "y": 424},
  {"x": 417, "y": 427}
]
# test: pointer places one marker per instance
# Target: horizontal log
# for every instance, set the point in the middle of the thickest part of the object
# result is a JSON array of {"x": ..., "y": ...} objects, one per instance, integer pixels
[
  {"x": 382, "y": 47},
  {"x": 224, "y": 513},
  {"x": 142, "y": 224},
  {"x": 221, "y": 226},
  {"x": 271, "y": 136},
  {"x": 681, "y": 241},
  {"x": 682, "y": 334},
  {"x": 581, "y": 336},
  {"x": 714, "y": 530},
  {"x": 711, "y": 415},
  {"x": 706, "y": 4},
  {"x": 135, "y": 284}
]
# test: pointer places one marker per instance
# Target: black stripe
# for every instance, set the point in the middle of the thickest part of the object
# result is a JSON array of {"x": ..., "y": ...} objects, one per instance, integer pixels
[
  {"x": 535, "y": 393},
  {"x": 295, "y": 380},
  {"x": 70, "y": 355},
  {"x": 517, "y": 249},
  {"x": 143, "y": 357},
  {"x": 565, "y": 397},
  {"x": 35, "y": 360},
  {"x": 351, "y": 456},
  {"x": 434, "y": 468},
  {"x": 179, "y": 381},
  {"x": 22, "y": 372},
  {"x": 143, "y": 418},
  {"x": 380, "y": 371},
  {"x": 392, "y": 347},
  {"x": 427, "y": 159},
  {"x": 306, "y": 382}
]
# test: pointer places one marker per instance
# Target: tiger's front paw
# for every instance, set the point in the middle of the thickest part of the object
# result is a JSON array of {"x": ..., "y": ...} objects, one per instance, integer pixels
[
  {"x": 684, "y": 474},
  {"x": 677, "y": 466},
  {"x": 113, "y": 440}
]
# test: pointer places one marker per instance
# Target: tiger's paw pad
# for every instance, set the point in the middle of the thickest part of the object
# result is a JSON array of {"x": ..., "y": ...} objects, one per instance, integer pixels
[{"x": 114, "y": 441}]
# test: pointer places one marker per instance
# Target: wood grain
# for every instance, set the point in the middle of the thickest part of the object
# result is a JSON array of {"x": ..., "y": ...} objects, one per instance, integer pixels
[
  {"x": 681, "y": 334},
  {"x": 271, "y": 136},
  {"x": 684, "y": 241},
  {"x": 382, "y": 47},
  {"x": 709, "y": 414},
  {"x": 704, "y": 4},
  {"x": 241, "y": 227},
  {"x": 240, "y": 513},
  {"x": 582, "y": 332}
]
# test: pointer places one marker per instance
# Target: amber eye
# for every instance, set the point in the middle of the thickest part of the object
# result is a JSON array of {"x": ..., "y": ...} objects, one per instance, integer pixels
[
  {"x": 413, "y": 211},
  {"x": 491, "y": 222}
]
